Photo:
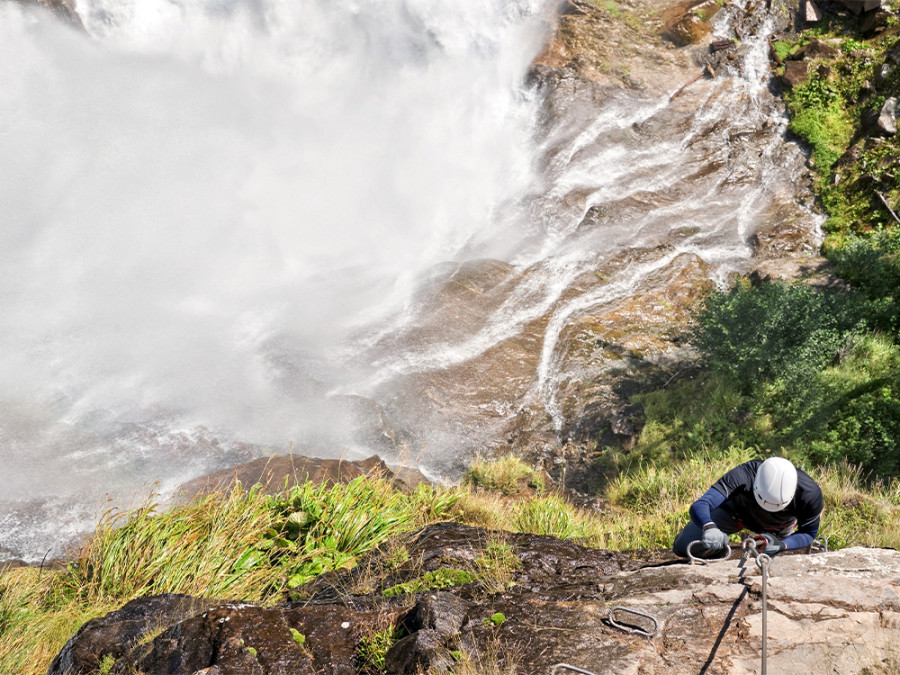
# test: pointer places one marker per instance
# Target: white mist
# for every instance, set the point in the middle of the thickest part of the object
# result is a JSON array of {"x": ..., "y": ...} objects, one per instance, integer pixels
[{"x": 206, "y": 203}]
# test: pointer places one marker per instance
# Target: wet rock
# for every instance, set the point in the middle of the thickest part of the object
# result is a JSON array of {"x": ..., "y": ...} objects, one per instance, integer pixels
[
  {"x": 444, "y": 613},
  {"x": 688, "y": 23},
  {"x": 688, "y": 30},
  {"x": 420, "y": 652},
  {"x": 624, "y": 49},
  {"x": 117, "y": 632},
  {"x": 62, "y": 9}
]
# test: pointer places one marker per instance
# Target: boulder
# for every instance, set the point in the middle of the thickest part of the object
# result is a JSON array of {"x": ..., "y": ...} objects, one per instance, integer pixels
[
  {"x": 875, "y": 22},
  {"x": 688, "y": 29},
  {"x": 444, "y": 613},
  {"x": 811, "y": 12},
  {"x": 119, "y": 631},
  {"x": 795, "y": 72},
  {"x": 887, "y": 118},
  {"x": 423, "y": 651}
]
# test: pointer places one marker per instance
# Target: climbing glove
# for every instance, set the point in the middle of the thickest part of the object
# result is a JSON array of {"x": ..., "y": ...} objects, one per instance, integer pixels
[
  {"x": 773, "y": 544},
  {"x": 713, "y": 538}
]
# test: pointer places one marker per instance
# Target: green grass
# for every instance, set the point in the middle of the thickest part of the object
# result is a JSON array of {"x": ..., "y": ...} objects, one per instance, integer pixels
[
  {"x": 374, "y": 646},
  {"x": 509, "y": 475},
  {"x": 245, "y": 546},
  {"x": 240, "y": 545}
]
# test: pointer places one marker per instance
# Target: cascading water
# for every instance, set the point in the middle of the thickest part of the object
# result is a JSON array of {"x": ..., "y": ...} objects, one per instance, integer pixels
[{"x": 234, "y": 228}]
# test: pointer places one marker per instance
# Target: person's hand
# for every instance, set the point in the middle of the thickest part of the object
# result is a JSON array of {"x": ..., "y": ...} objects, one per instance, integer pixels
[
  {"x": 713, "y": 538},
  {"x": 773, "y": 544}
]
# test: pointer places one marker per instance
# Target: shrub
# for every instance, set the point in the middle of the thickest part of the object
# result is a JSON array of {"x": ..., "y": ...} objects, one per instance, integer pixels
[
  {"x": 777, "y": 329},
  {"x": 872, "y": 265}
]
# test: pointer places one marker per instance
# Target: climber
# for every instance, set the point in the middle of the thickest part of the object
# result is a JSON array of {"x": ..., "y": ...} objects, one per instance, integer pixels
[{"x": 772, "y": 498}]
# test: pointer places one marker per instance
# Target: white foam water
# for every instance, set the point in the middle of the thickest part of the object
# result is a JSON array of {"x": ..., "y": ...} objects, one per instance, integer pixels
[{"x": 207, "y": 203}]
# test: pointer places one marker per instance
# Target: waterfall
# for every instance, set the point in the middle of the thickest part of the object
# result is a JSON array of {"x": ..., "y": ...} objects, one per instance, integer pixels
[{"x": 236, "y": 228}]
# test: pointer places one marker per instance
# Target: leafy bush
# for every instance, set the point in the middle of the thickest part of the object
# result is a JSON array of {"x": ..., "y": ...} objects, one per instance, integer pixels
[
  {"x": 776, "y": 330},
  {"x": 323, "y": 527},
  {"x": 872, "y": 265},
  {"x": 807, "y": 363}
]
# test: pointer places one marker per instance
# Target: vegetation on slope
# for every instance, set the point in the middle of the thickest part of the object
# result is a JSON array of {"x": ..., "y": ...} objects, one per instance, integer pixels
[
  {"x": 785, "y": 369},
  {"x": 248, "y": 546}
]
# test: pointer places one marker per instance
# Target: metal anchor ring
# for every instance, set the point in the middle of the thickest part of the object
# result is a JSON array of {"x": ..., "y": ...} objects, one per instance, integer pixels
[
  {"x": 703, "y": 561},
  {"x": 633, "y": 629},
  {"x": 568, "y": 667}
]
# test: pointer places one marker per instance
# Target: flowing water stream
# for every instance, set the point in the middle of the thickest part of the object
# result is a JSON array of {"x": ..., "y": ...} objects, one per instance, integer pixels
[{"x": 234, "y": 228}]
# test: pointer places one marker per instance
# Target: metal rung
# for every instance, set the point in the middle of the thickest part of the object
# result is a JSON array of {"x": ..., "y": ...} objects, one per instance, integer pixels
[
  {"x": 568, "y": 667},
  {"x": 633, "y": 629},
  {"x": 703, "y": 561}
]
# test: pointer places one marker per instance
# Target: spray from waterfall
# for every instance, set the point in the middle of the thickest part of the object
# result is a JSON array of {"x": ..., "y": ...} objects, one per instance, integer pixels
[{"x": 210, "y": 206}]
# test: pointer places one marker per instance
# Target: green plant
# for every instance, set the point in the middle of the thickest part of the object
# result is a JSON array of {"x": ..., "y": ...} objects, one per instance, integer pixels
[
  {"x": 497, "y": 619},
  {"x": 548, "y": 515},
  {"x": 820, "y": 117},
  {"x": 783, "y": 49},
  {"x": 202, "y": 548},
  {"x": 443, "y": 577},
  {"x": 374, "y": 646},
  {"x": 298, "y": 637},
  {"x": 106, "y": 664},
  {"x": 509, "y": 474},
  {"x": 497, "y": 565},
  {"x": 778, "y": 328},
  {"x": 324, "y": 527}
]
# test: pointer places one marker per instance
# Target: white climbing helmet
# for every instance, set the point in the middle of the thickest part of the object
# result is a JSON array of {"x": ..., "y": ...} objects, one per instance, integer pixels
[{"x": 775, "y": 484}]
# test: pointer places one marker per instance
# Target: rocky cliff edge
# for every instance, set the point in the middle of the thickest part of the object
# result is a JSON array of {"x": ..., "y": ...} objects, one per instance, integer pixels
[{"x": 467, "y": 600}]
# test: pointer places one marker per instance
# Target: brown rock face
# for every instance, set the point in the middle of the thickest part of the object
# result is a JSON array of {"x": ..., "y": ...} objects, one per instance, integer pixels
[
  {"x": 830, "y": 612},
  {"x": 271, "y": 473},
  {"x": 621, "y": 47},
  {"x": 688, "y": 23}
]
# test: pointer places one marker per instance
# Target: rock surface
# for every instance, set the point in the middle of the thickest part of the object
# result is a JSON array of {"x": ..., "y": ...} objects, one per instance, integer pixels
[
  {"x": 827, "y": 612},
  {"x": 272, "y": 472}
]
